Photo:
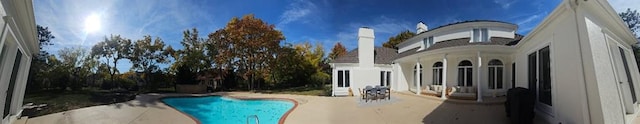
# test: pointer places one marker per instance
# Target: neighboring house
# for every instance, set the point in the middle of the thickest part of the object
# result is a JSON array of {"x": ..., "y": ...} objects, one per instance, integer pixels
[
  {"x": 18, "y": 42},
  {"x": 578, "y": 62}
]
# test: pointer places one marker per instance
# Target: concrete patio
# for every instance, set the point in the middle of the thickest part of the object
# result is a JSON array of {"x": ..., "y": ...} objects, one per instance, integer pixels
[{"x": 406, "y": 109}]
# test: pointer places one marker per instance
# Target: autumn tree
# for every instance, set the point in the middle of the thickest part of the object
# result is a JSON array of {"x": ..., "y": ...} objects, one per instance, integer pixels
[
  {"x": 395, "y": 40},
  {"x": 337, "y": 51},
  {"x": 254, "y": 43},
  {"x": 113, "y": 49},
  {"x": 146, "y": 55},
  {"x": 221, "y": 53}
]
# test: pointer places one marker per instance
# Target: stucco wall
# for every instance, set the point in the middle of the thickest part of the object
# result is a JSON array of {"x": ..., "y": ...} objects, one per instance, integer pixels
[{"x": 569, "y": 97}]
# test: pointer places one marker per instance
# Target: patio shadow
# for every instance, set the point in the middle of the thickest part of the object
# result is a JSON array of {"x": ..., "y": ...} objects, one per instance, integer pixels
[{"x": 466, "y": 112}]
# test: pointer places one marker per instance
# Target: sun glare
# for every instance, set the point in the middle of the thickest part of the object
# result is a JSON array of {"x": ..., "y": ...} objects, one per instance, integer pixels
[{"x": 92, "y": 23}]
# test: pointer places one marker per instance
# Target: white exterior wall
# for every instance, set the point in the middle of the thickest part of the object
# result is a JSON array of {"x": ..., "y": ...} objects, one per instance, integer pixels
[
  {"x": 411, "y": 45},
  {"x": 359, "y": 77},
  {"x": 17, "y": 34},
  {"x": 456, "y": 33},
  {"x": 452, "y": 34},
  {"x": 569, "y": 104},
  {"x": 399, "y": 82}
]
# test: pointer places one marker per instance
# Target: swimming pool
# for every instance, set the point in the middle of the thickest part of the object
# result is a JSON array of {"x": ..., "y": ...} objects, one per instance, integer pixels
[{"x": 223, "y": 110}]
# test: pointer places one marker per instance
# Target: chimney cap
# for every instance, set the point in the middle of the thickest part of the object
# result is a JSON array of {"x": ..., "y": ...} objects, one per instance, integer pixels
[{"x": 366, "y": 27}]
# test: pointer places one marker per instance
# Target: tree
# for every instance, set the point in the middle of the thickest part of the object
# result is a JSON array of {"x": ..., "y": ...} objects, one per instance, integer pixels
[
  {"x": 290, "y": 68},
  {"x": 254, "y": 44},
  {"x": 146, "y": 56},
  {"x": 632, "y": 19},
  {"x": 113, "y": 49},
  {"x": 337, "y": 51},
  {"x": 395, "y": 40},
  {"x": 193, "y": 53},
  {"x": 220, "y": 51},
  {"x": 39, "y": 70},
  {"x": 314, "y": 57},
  {"x": 72, "y": 61}
]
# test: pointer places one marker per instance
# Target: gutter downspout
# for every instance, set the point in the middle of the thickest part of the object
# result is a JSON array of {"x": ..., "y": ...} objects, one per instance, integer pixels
[{"x": 584, "y": 75}]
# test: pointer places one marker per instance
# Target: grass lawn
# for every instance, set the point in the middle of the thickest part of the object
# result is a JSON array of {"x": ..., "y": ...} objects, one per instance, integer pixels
[
  {"x": 312, "y": 91},
  {"x": 59, "y": 101}
]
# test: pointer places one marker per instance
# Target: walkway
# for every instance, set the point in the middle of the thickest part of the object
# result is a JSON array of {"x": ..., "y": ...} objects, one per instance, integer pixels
[{"x": 404, "y": 108}]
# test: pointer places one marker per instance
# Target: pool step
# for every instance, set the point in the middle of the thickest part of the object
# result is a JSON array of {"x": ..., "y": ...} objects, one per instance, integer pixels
[{"x": 253, "y": 116}]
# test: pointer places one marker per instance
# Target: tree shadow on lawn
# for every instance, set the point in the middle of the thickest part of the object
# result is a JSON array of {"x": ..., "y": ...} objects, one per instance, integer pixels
[{"x": 456, "y": 112}]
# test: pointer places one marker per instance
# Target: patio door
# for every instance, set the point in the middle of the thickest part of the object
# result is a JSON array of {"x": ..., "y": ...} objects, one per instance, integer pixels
[
  {"x": 12, "y": 83},
  {"x": 625, "y": 82},
  {"x": 540, "y": 78}
]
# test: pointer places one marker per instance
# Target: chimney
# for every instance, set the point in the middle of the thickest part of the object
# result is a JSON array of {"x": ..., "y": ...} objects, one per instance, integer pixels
[
  {"x": 421, "y": 27},
  {"x": 365, "y": 47}
]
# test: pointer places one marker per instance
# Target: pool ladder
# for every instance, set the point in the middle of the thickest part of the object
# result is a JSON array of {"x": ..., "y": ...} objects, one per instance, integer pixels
[{"x": 253, "y": 116}]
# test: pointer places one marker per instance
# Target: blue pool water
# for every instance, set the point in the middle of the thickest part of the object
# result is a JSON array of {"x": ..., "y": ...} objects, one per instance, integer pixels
[{"x": 223, "y": 110}]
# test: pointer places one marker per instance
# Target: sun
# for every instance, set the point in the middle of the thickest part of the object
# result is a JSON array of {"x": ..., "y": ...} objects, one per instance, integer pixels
[{"x": 92, "y": 23}]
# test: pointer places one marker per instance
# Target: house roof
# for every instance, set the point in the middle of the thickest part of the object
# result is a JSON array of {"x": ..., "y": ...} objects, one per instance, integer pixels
[
  {"x": 500, "y": 41},
  {"x": 382, "y": 55}
]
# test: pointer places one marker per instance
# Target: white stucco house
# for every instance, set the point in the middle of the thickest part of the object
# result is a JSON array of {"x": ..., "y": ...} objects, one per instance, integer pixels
[
  {"x": 578, "y": 61},
  {"x": 18, "y": 42}
]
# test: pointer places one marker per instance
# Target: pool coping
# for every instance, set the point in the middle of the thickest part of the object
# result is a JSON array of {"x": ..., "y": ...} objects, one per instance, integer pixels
[{"x": 281, "y": 121}]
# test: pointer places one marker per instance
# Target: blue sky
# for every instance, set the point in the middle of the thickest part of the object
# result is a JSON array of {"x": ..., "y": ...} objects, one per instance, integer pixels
[{"x": 319, "y": 21}]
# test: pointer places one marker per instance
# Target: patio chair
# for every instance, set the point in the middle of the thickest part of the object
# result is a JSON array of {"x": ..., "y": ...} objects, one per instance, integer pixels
[
  {"x": 370, "y": 93},
  {"x": 383, "y": 93}
]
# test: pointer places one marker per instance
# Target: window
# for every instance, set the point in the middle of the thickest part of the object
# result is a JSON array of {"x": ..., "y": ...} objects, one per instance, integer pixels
[
  {"x": 480, "y": 35},
  {"x": 382, "y": 73},
  {"x": 545, "y": 76},
  {"x": 12, "y": 83},
  {"x": 540, "y": 75},
  {"x": 415, "y": 74},
  {"x": 343, "y": 78},
  {"x": 465, "y": 73},
  {"x": 385, "y": 78},
  {"x": 388, "y": 78},
  {"x": 495, "y": 74},
  {"x": 629, "y": 80},
  {"x": 437, "y": 73},
  {"x": 427, "y": 42},
  {"x": 513, "y": 75}
]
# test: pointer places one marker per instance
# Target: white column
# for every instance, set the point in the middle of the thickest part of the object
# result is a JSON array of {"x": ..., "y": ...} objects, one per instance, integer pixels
[
  {"x": 478, "y": 84},
  {"x": 418, "y": 79},
  {"x": 334, "y": 81},
  {"x": 444, "y": 77}
]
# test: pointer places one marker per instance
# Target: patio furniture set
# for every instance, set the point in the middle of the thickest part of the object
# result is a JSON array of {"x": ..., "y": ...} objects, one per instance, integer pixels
[{"x": 375, "y": 93}]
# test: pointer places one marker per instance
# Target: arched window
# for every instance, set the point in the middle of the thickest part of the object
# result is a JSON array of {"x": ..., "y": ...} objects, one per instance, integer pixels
[
  {"x": 465, "y": 73},
  {"x": 437, "y": 73},
  {"x": 495, "y": 74}
]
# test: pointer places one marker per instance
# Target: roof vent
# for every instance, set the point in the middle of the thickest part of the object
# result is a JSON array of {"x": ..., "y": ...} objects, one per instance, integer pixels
[{"x": 421, "y": 27}]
